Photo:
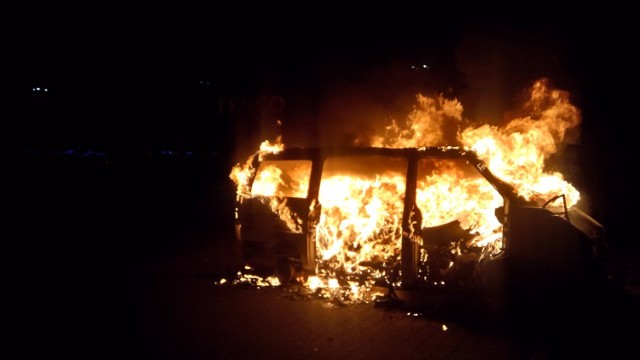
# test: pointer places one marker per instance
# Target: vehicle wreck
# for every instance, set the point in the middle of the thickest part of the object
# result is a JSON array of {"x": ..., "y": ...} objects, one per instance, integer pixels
[{"x": 408, "y": 220}]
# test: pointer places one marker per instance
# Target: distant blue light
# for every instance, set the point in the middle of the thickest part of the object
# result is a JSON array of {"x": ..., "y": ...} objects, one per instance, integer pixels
[
  {"x": 94, "y": 154},
  {"x": 69, "y": 152},
  {"x": 188, "y": 153}
]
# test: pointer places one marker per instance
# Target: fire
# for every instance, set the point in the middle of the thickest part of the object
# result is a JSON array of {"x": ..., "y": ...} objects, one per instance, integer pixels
[
  {"x": 518, "y": 151},
  {"x": 267, "y": 147},
  {"x": 290, "y": 179},
  {"x": 275, "y": 182},
  {"x": 458, "y": 196},
  {"x": 360, "y": 226},
  {"x": 361, "y": 218},
  {"x": 268, "y": 183},
  {"x": 515, "y": 152},
  {"x": 426, "y": 124},
  {"x": 241, "y": 174}
]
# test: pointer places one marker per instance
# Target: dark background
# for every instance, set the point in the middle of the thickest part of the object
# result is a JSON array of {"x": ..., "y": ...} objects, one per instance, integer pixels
[
  {"x": 147, "y": 109},
  {"x": 126, "y": 156}
]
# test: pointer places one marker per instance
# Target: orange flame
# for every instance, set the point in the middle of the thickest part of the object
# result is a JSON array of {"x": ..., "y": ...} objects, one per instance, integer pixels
[
  {"x": 517, "y": 152},
  {"x": 241, "y": 174},
  {"x": 425, "y": 126},
  {"x": 361, "y": 218},
  {"x": 447, "y": 194}
]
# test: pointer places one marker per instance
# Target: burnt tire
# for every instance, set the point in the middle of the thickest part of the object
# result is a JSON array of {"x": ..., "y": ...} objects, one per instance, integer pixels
[{"x": 285, "y": 271}]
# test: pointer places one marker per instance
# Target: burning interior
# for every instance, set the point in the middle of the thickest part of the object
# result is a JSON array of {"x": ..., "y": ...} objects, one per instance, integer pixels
[{"x": 409, "y": 212}]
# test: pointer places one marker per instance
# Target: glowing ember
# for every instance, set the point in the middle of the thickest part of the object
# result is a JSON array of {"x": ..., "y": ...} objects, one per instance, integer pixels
[{"x": 255, "y": 280}]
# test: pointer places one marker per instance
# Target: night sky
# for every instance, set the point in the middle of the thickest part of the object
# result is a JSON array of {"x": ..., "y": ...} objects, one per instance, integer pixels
[{"x": 139, "y": 82}]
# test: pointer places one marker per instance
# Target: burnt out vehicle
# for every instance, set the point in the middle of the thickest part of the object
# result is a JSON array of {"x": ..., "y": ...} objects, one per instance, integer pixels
[{"x": 413, "y": 218}]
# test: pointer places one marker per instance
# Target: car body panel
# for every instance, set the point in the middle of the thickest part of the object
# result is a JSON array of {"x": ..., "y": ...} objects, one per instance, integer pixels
[{"x": 530, "y": 233}]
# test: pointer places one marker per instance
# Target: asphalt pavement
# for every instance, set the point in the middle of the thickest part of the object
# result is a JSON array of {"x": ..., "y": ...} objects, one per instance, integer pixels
[
  {"x": 133, "y": 271},
  {"x": 173, "y": 306}
]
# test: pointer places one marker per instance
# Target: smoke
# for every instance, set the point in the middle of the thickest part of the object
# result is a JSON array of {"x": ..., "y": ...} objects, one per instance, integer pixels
[
  {"x": 348, "y": 90},
  {"x": 354, "y": 104},
  {"x": 498, "y": 61}
]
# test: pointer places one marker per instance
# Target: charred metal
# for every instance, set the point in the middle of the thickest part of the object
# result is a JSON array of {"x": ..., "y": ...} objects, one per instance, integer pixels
[{"x": 542, "y": 249}]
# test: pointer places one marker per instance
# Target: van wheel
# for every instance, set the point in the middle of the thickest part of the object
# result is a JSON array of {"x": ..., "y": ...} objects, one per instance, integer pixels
[
  {"x": 285, "y": 271},
  {"x": 302, "y": 276}
]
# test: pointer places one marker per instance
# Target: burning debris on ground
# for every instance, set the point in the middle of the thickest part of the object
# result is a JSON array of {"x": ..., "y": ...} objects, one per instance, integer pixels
[{"x": 330, "y": 289}]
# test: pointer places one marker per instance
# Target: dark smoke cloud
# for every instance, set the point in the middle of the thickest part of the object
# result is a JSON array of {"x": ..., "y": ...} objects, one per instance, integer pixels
[
  {"x": 498, "y": 61},
  {"x": 352, "y": 90}
]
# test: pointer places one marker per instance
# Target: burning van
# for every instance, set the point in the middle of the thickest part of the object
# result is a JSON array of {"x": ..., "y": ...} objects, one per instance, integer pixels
[{"x": 406, "y": 218}]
